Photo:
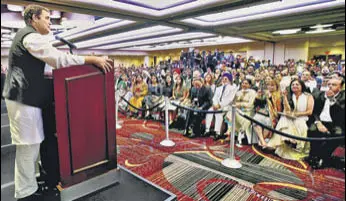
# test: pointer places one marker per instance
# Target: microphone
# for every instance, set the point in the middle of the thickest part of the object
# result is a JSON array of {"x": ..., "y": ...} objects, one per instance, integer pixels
[{"x": 71, "y": 45}]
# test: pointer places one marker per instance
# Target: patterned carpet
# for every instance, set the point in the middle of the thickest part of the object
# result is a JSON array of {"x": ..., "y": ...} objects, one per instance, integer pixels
[{"x": 192, "y": 169}]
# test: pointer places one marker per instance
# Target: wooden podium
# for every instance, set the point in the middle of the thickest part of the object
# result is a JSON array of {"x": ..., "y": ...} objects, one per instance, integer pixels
[{"x": 85, "y": 122}]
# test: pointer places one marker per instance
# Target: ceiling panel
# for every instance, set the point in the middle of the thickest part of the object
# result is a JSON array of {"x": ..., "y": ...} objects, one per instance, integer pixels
[{"x": 155, "y": 24}]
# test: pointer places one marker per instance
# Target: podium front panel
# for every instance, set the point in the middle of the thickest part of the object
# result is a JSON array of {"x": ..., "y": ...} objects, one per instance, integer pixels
[{"x": 84, "y": 99}]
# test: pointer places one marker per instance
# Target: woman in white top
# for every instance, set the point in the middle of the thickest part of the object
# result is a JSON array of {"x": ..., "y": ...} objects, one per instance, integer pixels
[{"x": 297, "y": 110}]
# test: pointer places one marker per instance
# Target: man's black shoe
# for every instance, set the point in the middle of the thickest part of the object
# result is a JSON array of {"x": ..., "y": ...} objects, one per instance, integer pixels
[
  {"x": 207, "y": 134},
  {"x": 219, "y": 137},
  {"x": 318, "y": 164},
  {"x": 187, "y": 132},
  {"x": 37, "y": 196}
]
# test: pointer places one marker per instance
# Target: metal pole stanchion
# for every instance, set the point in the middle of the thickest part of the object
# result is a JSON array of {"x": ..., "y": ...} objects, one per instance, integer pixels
[
  {"x": 117, "y": 98},
  {"x": 232, "y": 162},
  {"x": 167, "y": 142}
]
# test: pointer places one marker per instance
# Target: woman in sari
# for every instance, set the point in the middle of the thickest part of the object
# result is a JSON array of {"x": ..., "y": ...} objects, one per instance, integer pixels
[
  {"x": 154, "y": 96},
  {"x": 124, "y": 92},
  {"x": 180, "y": 93},
  {"x": 139, "y": 90},
  {"x": 244, "y": 101},
  {"x": 267, "y": 105},
  {"x": 297, "y": 110}
]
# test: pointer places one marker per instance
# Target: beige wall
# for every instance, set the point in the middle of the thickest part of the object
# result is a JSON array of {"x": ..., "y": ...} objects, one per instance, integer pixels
[
  {"x": 128, "y": 60},
  {"x": 335, "y": 44}
]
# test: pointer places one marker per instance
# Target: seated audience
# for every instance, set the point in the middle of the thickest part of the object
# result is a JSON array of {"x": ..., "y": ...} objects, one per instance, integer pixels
[
  {"x": 298, "y": 107},
  {"x": 309, "y": 81},
  {"x": 201, "y": 99},
  {"x": 328, "y": 121},
  {"x": 244, "y": 101},
  {"x": 267, "y": 106},
  {"x": 180, "y": 93},
  {"x": 222, "y": 100},
  {"x": 124, "y": 92},
  {"x": 154, "y": 96},
  {"x": 139, "y": 91}
]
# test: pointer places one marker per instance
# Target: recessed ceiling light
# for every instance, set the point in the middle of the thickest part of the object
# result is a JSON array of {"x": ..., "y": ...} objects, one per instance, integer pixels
[
  {"x": 55, "y": 14},
  {"x": 5, "y": 39},
  {"x": 6, "y": 35},
  {"x": 287, "y": 31},
  {"x": 12, "y": 20},
  {"x": 6, "y": 42},
  {"x": 196, "y": 41},
  {"x": 73, "y": 20},
  {"x": 5, "y": 31},
  {"x": 319, "y": 26},
  {"x": 275, "y": 9},
  {"x": 56, "y": 26},
  {"x": 320, "y": 31}
]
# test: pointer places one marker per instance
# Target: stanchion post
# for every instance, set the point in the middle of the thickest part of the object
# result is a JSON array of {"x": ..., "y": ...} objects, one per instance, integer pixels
[
  {"x": 231, "y": 162},
  {"x": 117, "y": 98},
  {"x": 167, "y": 142}
]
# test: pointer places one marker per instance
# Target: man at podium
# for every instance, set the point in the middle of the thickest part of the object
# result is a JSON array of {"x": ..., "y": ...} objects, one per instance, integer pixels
[{"x": 26, "y": 95}]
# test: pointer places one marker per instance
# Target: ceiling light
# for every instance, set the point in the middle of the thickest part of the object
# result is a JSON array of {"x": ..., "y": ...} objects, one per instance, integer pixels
[
  {"x": 184, "y": 44},
  {"x": 5, "y": 31},
  {"x": 195, "y": 41},
  {"x": 15, "y": 8},
  {"x": 6, "y": 36},
  {"x": 171, "y": 38},
  {"x": 209, "y": 40},
  {"x": 141, "y": 6},
  {"x": 6, "y": 42},
  {"x": 55, "y": 14},
  {"x": 320, "y": 31},
  {"x": 5, "y": 39},
  {"x": 287, "y": 7},
  {"x": 130, "y": 35},
  {"x": 99, "y": 26},
  {"x": 12, "y": 20},
  {"x": 319, "y": 26},
  {"x": 287, "y": 31},
  {"x": 73, "y": 20},
  {"x": 56, "y": 26}
]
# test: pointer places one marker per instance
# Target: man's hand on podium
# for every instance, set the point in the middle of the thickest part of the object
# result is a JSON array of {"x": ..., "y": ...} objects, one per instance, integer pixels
[{"x": 103, "y": 63}]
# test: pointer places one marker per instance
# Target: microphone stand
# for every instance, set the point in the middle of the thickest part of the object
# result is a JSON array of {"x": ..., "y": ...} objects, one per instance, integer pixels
[{"x": 71, "y": 48}]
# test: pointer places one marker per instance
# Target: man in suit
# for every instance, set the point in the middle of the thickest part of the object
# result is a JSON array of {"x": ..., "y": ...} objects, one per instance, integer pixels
[
  {"x": 197, "y": 58},
  {"x": 222, "y": 100},
  {"x": 328, "y": 121},
  {"x": 210, "y": 63},
  {"x": 309, "y": 81},
  {"x": 201, "y": 98}
]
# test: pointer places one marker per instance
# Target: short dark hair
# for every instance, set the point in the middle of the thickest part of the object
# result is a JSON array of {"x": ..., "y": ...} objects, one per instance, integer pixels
[
  {"x": 248, "y": 81},
  {"x": 32, "y": 10}
]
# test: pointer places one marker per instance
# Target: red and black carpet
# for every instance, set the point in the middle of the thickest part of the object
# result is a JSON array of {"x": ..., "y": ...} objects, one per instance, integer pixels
[{"x": 192, "y": 169}]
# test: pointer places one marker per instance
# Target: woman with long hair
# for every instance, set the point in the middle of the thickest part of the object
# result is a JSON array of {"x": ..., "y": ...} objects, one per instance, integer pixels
[
  {"x": 180, "y": 93},
  {"x": 298, "y": 106},
  {"x": 209, "y": 82},
  {"x": 139, "y": 90},
  {"x": 154, "y": 96},
  {"x": 267, "y": 106}
]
